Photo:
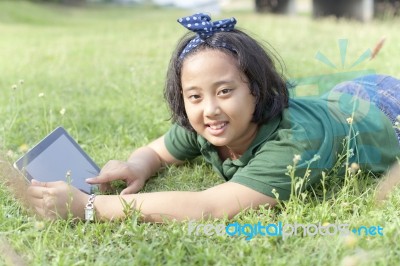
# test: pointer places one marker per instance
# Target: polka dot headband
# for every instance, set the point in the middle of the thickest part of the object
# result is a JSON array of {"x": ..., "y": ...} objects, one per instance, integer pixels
[{"x": 201, "y": 24}]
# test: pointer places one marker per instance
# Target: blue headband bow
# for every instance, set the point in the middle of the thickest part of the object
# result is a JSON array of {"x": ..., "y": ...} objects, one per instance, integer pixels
[{"x": 201, "y": 24}]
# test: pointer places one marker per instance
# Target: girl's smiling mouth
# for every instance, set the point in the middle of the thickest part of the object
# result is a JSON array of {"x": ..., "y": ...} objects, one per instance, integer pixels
[{"x": 216, "y": 128}]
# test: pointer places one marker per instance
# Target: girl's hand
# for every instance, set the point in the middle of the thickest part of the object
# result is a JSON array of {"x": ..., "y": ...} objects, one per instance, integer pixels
[
  {"x": 54, "y": 200},
  {"x": 119, "y": 170},
  {"x": 141, "y": 165}
]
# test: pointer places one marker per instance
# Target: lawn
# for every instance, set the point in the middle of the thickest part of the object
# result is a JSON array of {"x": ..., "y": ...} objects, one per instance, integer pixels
[{"x": 99, "y": 71}]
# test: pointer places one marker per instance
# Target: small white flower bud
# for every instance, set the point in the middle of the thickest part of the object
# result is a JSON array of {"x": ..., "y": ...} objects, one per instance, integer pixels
[{"x": 296, "y": 158}]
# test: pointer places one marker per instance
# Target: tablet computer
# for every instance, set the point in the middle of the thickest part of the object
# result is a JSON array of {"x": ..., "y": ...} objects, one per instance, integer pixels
[{"x": 58, "y": 157}]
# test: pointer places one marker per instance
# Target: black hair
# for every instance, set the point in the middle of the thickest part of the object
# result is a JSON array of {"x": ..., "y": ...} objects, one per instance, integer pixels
[{"x": 266, "y": 84}]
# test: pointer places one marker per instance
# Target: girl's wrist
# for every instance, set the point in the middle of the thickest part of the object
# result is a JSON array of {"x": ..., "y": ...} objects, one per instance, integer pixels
[
  {"x": 145, "y": 162},
  {"x": 137, "y": 171},
  {"x": 80, "y": 205}
]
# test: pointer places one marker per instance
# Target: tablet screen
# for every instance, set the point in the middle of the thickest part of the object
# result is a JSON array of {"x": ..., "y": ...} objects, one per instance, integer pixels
[{"x": 56, "y": 157}]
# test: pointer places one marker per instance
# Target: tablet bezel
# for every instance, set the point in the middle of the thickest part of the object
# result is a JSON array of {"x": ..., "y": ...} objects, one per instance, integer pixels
[{"x": 33, "y": 153}]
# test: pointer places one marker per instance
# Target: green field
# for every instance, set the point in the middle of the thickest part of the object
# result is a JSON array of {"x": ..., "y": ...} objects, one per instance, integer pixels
[{"x": 99, "y": 71}]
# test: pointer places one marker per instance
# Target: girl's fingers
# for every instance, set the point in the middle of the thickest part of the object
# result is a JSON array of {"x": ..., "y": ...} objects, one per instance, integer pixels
[
  {"x": 44, "y": 207},
  {"x": 36, "y": 202},
  {"x": 35, "y": 182},
  {"x": 133, "y": 187},
  {"x": 50, "y": 199},
  {"x": 99, "y": 179},
  {"x": 37, "y": 189},
  {"x": 37, "y": 192},
  {"x": 128, "y": 190}
]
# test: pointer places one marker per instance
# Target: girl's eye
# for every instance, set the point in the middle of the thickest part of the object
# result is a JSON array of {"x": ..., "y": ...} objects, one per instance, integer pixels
[
  {"x": 224, "y": 91},
  {"x": 194, "y": 97}
]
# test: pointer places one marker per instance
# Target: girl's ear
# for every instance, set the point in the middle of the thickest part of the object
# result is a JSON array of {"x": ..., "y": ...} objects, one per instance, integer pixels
[{"x": 255, "y": 89}]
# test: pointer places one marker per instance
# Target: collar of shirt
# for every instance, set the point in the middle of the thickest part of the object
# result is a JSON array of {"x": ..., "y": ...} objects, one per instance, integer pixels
[{"x": 229, "y": 167}]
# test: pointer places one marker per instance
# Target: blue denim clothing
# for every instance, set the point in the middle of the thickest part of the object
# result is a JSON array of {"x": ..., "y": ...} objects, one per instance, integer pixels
[{"x": 383, "y": 91}]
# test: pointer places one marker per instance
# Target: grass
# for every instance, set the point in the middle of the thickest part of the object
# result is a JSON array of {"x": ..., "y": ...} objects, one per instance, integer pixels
[{"x": 105, "y": 68}]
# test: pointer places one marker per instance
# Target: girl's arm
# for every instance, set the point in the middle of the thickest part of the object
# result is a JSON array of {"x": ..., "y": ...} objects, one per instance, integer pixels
[
  {"x": 57, "y": 199},
  {"x": 226, "y": 199}
]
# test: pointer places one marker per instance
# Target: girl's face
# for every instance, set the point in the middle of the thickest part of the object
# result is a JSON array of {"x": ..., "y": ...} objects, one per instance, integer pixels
[{"x": 217, "y": 99}]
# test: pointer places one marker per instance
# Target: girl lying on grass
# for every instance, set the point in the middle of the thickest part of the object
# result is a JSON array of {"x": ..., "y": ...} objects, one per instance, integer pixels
[{"x": 230, "y": 105}]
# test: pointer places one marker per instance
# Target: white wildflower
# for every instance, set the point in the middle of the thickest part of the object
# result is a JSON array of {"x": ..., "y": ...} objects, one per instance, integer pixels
[
  {"x": 349, "y": 120},
  {"x": 355, "y": 167},
  {"x": 296, "y": 158},
  {"x": 10, "y": 153},
  {"x": 39, "y": 225}
]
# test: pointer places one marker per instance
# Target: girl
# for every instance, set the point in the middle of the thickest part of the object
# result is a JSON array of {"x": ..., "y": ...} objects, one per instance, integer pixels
[{"x": 230, "y": 105}]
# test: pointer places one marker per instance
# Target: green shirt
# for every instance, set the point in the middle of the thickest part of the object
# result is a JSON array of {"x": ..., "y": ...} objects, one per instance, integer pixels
[{"x": 312, "y": 128}]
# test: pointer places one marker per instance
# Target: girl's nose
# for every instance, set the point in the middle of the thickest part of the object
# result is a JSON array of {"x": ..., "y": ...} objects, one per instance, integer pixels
[{"x": 211, "y": 108}]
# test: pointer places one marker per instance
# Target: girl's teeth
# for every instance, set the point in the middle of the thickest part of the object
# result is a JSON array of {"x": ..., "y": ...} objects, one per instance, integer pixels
[{"x": 217, "y": 126}]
